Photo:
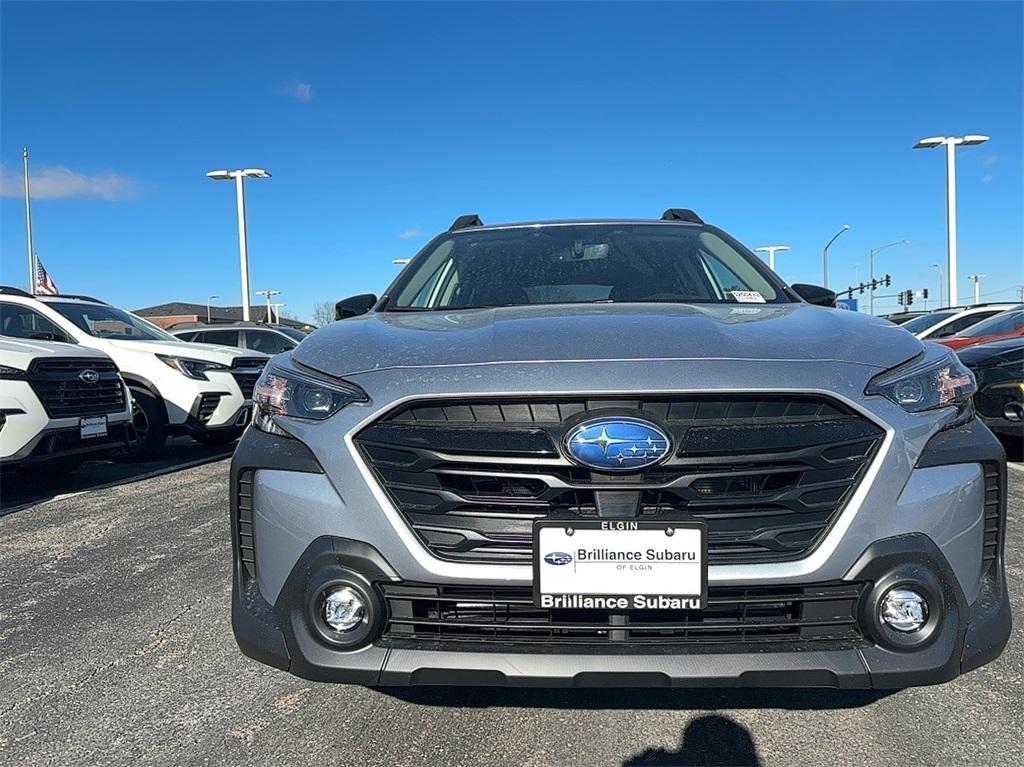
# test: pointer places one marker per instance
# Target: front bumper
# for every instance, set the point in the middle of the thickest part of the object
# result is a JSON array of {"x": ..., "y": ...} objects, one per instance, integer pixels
[{"x": 971, "y": 627}]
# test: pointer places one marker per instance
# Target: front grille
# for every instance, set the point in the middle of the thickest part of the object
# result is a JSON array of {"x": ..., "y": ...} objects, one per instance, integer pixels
[
  {"x": 246, "y": 372},
  {"x": 506, "y": 616},
  {"x": 768, "y": 474},
  {"x": 246, "y": 540},
  {"x": 993, "y": 512},
  {"x": 65, "y": 395}
]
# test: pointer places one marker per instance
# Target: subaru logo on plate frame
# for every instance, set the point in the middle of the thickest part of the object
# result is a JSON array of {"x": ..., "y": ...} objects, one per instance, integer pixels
[
  {"x": 617, "y": 443},
  {"x": 558, "y": 558},
  {"x": 89, "y": 376}
]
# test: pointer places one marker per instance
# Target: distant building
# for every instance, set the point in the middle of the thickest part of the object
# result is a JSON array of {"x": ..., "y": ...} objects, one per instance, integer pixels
[{"x": 176, "y": 312}]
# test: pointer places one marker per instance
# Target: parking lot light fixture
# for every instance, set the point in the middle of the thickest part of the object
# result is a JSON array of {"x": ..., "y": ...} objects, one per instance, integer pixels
[
  {"x": 976, "y": 279},
  {"x": 771, "y": 250},
  {"x": 208, "y": 300},
  {"x": 951, "y": 143},
  {"x": 268, "y": 294},
  {"x": 871, "y": 270},
  {"x": 239, "y": 177},
  {"x": 824, "y": 255}
]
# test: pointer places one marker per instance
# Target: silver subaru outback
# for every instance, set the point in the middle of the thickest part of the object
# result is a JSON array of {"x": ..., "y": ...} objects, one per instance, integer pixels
[{"x": 615, "y": 453}]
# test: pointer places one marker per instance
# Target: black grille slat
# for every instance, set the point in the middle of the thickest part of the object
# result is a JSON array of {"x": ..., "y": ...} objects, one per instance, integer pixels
[
  {"x": 993, "y": 512},
  {"x": 247, "y": 371},
  {"x": 244, "y": 522},
  {"x": 64, "y": 395},
  {"x": 471, "y": 477},
  {"x": 733, "y": 616}
]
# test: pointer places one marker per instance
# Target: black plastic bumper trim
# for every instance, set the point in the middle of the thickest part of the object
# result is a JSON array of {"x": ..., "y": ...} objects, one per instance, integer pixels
[{"x": 281, "y": 637}]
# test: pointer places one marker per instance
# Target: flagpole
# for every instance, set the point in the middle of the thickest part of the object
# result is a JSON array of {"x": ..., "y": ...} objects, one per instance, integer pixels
[{"x": 28, "y": 229}]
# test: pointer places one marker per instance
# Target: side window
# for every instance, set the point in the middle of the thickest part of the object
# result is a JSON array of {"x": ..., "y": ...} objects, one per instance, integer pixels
[
  {"x": 21, "y": 322},
  {"x": 221, "y": 337},
  {"x": 190, "y": 336},
  {"x": 961, "y": 323},
  {"x": 267, "y": 342}
]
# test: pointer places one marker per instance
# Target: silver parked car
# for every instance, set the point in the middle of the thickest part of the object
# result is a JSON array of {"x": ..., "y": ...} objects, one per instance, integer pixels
[{"x": 623, "y": 453}]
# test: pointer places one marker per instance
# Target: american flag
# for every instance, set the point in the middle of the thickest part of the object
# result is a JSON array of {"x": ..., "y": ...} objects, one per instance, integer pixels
[{"x": 44, "y": 285}]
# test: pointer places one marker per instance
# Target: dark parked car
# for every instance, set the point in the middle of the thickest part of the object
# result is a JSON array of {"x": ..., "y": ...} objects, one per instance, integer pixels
[
  {"x": 269, "y": 339},
  {"x": 999, "y": 369}
]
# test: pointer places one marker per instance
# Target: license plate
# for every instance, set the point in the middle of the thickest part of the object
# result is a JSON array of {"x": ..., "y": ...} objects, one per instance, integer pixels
[
  {"x": 620, "y": 564},
  {"x": 94, "y": 426}
]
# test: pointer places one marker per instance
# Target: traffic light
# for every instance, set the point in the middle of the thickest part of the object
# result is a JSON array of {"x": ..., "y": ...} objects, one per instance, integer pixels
[
  {"x": 924, "y": 293},
  {"x": 888, "y": 280},
  {"x": 910, "y": 298},
  {"x": 862, "y": 288},
  {"x": 902, "y": 298}
]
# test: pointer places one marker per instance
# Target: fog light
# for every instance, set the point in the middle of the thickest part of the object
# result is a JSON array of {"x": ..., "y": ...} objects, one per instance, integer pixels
[
  {"x": 343, "y": 609},
  {"x": 904, "y": 610}
]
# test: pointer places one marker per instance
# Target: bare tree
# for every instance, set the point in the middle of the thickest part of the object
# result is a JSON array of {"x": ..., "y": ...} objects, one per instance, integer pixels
[{"x": 323, "y": 313}]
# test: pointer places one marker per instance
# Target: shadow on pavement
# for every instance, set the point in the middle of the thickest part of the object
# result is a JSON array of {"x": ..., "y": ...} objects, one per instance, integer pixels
[
  {"x": 27, "y": 487},
  {"x": 707, "y": 740},
  {"x": 638, "y": 698}
]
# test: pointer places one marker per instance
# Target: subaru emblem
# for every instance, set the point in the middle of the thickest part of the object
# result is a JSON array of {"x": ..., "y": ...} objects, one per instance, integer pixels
[
  {"x": 617, "y": 444},
  {"x": 89, "y": 376},
  {"x": 558, "y": 558}
]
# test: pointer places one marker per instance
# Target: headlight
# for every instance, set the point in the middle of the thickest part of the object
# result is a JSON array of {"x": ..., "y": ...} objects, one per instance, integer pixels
[
  {"x": 299, "y": 395},
  {"x": 6, "y": 371},
  {"x": 935, "y": 379},
  {"x": 191, "y": 368}
]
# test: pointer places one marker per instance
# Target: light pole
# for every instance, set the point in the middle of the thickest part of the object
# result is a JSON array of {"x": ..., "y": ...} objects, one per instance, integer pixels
[
  {"x": 824, "y": 255},
  {"x": 277, "y": 312},
  {"x": 951, "y": 143},
  {"x": 871, "y": 272},
  {"x": 239, "y": 177},
  {"x": 208, "y": 300},
  {"x": 268, "y": 294},
  {"x": 976, "y": 279},
  {"x": 942, "y": 280},
  {"x": 771, "y": 250}
]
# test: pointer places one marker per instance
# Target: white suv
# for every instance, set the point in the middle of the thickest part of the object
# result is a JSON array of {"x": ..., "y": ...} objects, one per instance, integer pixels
[
  {"x": 943, "y": 323},
  {"x": 177, "y": 388},
  {"x": 60, "y": 404}
]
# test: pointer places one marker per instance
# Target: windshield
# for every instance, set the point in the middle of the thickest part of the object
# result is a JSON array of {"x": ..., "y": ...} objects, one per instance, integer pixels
[
  {"x": 924, "y": 322},
  {"x": 294, "y": 333},
  {"x": 104, "y": 321},
  {"x": 580, "y": 263},
  {"x": 1007, "y": 322}
]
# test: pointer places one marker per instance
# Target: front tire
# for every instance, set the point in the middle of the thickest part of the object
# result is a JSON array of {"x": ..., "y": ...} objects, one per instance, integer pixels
[{"x": 150, "y": 420}]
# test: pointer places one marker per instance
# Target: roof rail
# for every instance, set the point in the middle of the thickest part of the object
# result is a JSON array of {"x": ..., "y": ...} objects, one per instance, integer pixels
[
  {"x": 465, "y": 221},
  {"x": 962, "y": 307},
  {"x": 79, "y": 298},
  {"x": 681, "y": 214},
  {"x": 7, "y": 290}
]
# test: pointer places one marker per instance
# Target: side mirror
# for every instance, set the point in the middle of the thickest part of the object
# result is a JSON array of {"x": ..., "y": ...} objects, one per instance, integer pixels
[
  {"x": 816, "y": 295},
  {"x": 354, "y": 306}
]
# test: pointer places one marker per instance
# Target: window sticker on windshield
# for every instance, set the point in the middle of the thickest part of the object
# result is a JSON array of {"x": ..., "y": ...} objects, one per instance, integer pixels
[{"x": 748, "y": 296}]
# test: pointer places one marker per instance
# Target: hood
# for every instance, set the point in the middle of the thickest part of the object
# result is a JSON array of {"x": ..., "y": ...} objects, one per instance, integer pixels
[
  {"x": 572, "y": 332},
  {"x": 205, "y": 352},
  {"x": 20, "y": 353}
]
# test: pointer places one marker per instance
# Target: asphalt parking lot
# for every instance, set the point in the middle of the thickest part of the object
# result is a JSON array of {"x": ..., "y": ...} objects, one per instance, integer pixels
[{"x": 116, "y": 648}]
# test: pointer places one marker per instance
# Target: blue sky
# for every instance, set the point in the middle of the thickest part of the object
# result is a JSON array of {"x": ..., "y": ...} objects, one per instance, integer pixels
[{"x": 382, "y": 122}]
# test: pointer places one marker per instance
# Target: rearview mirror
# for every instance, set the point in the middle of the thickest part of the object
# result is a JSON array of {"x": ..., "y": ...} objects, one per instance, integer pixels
[
  {"x": 354, "y": 306},
  {"x": 816, "y": 295}
]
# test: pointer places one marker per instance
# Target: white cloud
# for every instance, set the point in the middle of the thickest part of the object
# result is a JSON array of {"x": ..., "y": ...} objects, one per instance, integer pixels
[
  {"x": 299, "y": 90},
  {"x": 409, "y": 233},
  {"x": 987, "y": 178},
  {"x": 54, "y": 182},
  {"x": 992, "y": 159}
]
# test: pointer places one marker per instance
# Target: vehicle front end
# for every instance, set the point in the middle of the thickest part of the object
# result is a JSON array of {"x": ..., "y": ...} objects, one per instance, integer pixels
[
  {"x": 999, "y": 369},
  {"x": 60, "y": 403},
  {"x": 620, "y": 493}
]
